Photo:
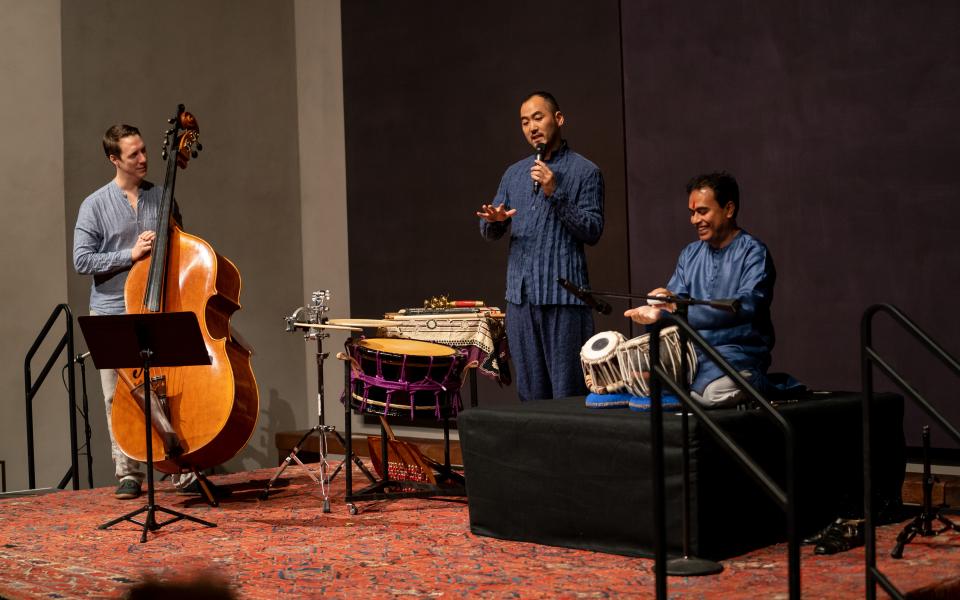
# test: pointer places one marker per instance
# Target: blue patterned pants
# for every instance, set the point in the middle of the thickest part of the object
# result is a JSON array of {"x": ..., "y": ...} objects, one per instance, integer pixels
[{"x": 545, "y": 344}]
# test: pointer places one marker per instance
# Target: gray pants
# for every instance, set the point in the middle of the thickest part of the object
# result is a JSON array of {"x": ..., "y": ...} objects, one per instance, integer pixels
[{"x": 722, "y": 392}]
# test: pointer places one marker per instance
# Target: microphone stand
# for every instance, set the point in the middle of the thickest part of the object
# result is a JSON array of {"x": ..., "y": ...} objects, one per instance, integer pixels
[
  {"x": 86, "y": 418},
  {"x": 686, "y": 565}
]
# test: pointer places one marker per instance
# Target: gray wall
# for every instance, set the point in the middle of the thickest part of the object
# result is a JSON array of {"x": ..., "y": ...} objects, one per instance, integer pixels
[
  {"x": 240, "y": 67},
  {"x": 323, "y": 192},
  {"x": 234, "y": 66},
  {"x": 32, "y": 265}
]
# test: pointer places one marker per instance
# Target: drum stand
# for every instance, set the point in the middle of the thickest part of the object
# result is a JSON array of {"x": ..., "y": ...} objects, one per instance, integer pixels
[
  {"x": 922, "y": 524},
  {"x": 321, "y": 428},
  {"x": 378, "y": 490}
]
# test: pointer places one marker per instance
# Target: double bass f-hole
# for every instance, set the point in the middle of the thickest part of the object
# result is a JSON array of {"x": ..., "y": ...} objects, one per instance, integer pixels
[{"x": 159, "y": 408}]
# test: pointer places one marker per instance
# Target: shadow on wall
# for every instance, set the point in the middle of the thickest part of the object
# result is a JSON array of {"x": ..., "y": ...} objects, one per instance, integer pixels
[{"x": 275, "y": 415}]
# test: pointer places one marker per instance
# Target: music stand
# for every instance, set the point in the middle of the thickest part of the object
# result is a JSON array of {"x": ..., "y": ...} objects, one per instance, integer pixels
[{"x": 145, "y": 341}]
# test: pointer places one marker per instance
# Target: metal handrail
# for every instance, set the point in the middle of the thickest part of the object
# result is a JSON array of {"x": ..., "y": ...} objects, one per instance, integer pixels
[
  {"x": 869, "y": 358},
  {"x": 786, "y": 500},
  {"x": 31, "y": 387}
]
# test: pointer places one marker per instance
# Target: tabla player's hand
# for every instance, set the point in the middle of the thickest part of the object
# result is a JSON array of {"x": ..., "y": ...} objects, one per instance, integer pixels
[
  {"x": 660, "y": 304},
  {"x": 143, "y": 245},
  {"x": 494, "y": 214},
  {"x": 644, "y": 315},
  {"x": 542, "y": 174}
]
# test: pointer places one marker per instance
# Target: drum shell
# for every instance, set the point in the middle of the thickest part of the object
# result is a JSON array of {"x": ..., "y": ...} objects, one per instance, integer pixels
[
  {"x": 634, "y": 359},
  {"x": 601, "y": 370},
  {"x": 429, "y": 371}
]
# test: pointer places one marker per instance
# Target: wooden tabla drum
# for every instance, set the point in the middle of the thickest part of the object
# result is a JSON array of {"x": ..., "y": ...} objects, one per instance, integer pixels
[
  {"x": 634, "y": 360},
  {"x": 598, "y": 357}
]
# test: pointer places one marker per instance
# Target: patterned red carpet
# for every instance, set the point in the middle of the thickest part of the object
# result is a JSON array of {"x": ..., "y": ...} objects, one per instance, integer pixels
[{"x": 287, "y": 547}]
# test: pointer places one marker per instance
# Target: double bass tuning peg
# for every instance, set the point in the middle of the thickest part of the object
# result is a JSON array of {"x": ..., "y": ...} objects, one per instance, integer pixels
[
  {"x": 171, "y": 120},
  {"x": 163, "y": 155}
]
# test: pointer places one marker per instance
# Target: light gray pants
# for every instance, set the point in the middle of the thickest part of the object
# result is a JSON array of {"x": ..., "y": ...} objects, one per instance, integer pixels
[{"x": 722, "y": 392}]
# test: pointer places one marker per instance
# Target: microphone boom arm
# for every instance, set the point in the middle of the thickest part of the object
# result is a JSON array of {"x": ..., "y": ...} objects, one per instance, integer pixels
[{"x": 729, "y": 304}]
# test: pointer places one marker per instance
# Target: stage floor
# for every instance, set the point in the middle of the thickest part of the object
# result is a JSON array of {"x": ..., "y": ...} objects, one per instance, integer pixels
[{"x": 287, "y": 547}]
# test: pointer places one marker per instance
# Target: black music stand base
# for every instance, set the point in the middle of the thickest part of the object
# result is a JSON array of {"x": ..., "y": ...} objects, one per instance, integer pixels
[
  {"x": 150, "y": 523},
  {"x": 148, "y": 340}
]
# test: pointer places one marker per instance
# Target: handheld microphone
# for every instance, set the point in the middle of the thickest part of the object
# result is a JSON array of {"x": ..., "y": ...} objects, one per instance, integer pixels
[
  {"x": 595, "y": 303},
  {"x": 540, "y": 149}
]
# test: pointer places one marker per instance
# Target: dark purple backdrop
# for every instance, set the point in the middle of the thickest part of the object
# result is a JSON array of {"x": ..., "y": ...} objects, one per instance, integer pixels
[
  {"x": 839, "y": 120},
  {"x": 432, "y": 95}
]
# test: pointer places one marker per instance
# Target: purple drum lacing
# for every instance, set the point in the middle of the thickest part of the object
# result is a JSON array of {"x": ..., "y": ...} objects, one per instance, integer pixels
[{"x": 451, "y": 383}]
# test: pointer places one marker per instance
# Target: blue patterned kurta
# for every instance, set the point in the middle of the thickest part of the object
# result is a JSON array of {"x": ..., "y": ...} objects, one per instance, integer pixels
[
  {"x": 743, "y": 270},
  {"x": 547, "y": 236}
]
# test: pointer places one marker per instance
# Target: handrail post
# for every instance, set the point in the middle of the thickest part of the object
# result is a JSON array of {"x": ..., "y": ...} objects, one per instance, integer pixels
[
  {"x": 31, "y": 466},
  {"x": 72, "y": 400},
  {"x": 31, "y": 388},
  {"x": 866, "y": 382},
  {"x": 657, "y": 469},
  {"x": 868, "y": 359},
  {"x": 786, "y": 501}
]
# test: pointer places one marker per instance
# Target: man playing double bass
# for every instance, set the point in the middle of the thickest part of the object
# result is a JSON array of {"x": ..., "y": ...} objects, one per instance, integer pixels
[{"x": 116, "y": 227}]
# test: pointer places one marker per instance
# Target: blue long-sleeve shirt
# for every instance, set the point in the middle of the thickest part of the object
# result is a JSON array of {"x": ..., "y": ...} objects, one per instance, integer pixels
[
  {"x": 106, "y": 230},
  {"x": 743, "y": 270},
  {"x": 547, "y": 234}
]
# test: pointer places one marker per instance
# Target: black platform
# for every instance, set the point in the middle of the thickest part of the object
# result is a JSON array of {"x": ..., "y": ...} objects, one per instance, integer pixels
[{"x": 555, "y": 472}]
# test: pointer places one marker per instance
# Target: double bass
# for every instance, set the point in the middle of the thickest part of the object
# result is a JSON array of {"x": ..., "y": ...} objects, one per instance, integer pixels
[{"x": 208, "y": 413}]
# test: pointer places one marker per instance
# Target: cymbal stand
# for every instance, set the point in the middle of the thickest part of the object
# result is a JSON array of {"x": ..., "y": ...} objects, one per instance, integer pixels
[
  {"x": 314, "y": 313},
  {"x": 922, "y": 524}
]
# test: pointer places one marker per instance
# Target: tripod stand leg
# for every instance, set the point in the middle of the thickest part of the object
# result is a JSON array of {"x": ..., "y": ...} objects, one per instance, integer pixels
[
  {"x": 286, "y": 463},
  {"x": 908, "y": 533},
  {"x": 127, "y": 517},
  {"x": 353, "y": 458},
  {"x": 947, "y": 524},
  {"x": 205, "y": 488},
  {"x": 150, "y": 522}
]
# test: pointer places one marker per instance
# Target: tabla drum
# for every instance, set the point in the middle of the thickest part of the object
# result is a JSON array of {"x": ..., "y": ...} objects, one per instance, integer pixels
[
  {"x": 400, "y": 377},
  {"x": 634, "y": 360},
  {"x": 598, "y": 357}
]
